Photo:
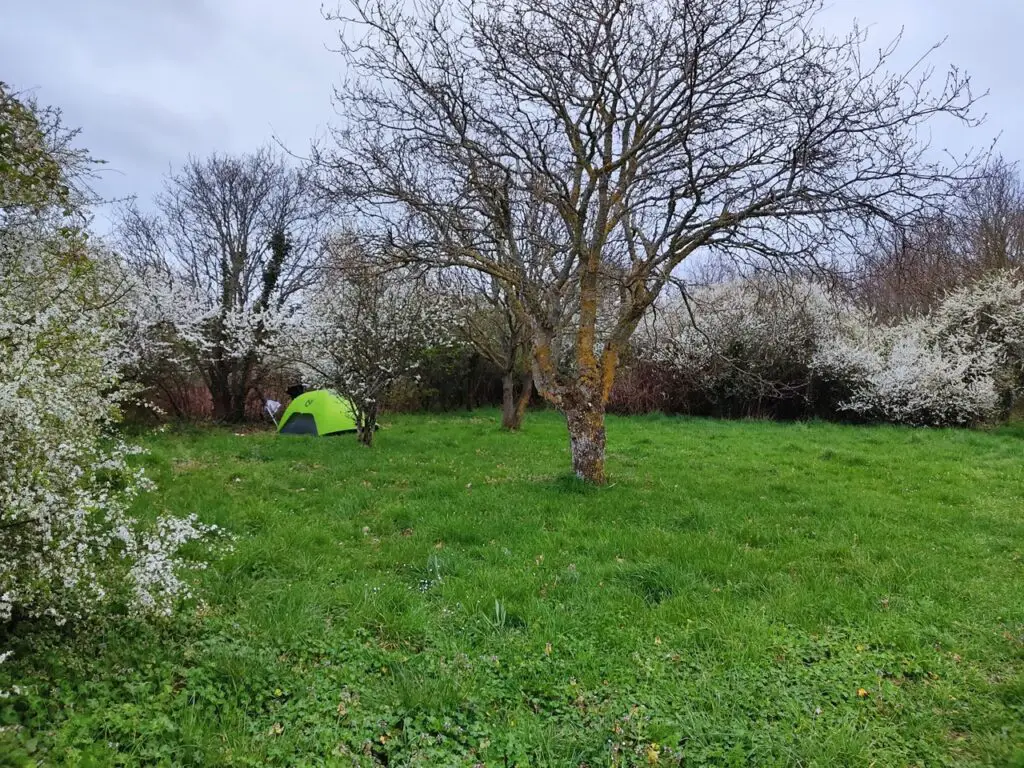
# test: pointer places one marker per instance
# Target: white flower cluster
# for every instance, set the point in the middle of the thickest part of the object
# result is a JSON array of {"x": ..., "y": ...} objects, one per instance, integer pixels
[
  {"x": 903, "y": 374},
  {"x": 744, "y": 340},
  {"x": 67, "y": 541},
  {"x": 65, "y": 481},
  {"x": 959, "y": 365},
  {"x": 154, "y": 571},
  {"x": 751, "y": 340},
  {"x": 989, "y": 315},
  {"x": 360, "y": 336},
  {"x": 166, "y": 320}
]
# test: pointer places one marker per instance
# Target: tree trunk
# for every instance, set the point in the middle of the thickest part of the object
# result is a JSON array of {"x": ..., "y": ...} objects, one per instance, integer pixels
[
  {"x": 238, "y": 409},
  {"x": 508, "y": 402},
  {"x": 227, "y": 394},
  {"x": 525, "y": 393},
  {"x": 222, "y": 405},
  {"x": 581, "y": 399},
  {"x": 367, "y": 426},
  {"x": 513, "y": 407},
  {"x": 228, "y": 405},
  {"x": 239, "y": 399},
  {"x": 587, "y": 441},
  {"x": 472, "y": 382}
]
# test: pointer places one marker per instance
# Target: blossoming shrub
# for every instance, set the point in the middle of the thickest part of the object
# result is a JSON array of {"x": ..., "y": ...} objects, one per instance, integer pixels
[
  {"x": 741, "y": 348},
  {"x": 178, "y": 338},
  {"x": 759, "y": 347},
  {"x": 365, "y": 332},
  {"x": 67, "y": 539},
  {"x": 989, "y": 315},
  {"x": 906, "y": 375},
  {"x": 962, "y": 364}
]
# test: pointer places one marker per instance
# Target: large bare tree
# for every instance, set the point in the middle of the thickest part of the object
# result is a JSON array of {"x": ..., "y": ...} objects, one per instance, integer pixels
[
  {"x": 993, "y": 212},
  {"x": 240, "y": 236},
  {"x": 644, "y": 131}
]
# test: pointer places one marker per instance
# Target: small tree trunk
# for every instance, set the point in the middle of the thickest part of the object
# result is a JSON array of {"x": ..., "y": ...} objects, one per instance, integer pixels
[
  {"x": 513, "y": 407},
  {"x": 367, "y": 426},
  {"x": 472, "y": 382},
  {"x": 525, "y": 393},
  {"x": 222, "y": 406},
  {"x": 239, "y": 401},
  {"x": 587, "y": 441},
  {"x": 508, "y": 402},
  {"x": 227, "y": 396}
]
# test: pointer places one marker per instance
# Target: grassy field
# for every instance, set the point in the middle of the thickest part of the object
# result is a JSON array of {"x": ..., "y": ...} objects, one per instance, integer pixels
[{"x": 742, "y": 594}]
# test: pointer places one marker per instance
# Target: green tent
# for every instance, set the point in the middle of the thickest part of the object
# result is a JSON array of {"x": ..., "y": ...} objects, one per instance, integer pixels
[{"x": 320, "y": 412}]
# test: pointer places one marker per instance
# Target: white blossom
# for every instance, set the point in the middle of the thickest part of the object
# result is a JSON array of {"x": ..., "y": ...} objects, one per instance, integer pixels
[
  {"x": 903, "y": 374},
  {"x": 746, "y": 340},
  {"x": 361, "y": 333},
  {"x": 67, "y": 540},
  {"x": 65, "y": 481},
  {"x": 961, "y": 364}
]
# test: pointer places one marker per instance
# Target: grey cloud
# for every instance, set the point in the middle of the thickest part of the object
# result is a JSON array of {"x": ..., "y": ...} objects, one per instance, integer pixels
[{"x": 154, "y": 80}]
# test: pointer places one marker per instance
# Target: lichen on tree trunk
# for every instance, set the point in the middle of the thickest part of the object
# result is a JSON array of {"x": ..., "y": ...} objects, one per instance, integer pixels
[{"x": 581, "y": 397}]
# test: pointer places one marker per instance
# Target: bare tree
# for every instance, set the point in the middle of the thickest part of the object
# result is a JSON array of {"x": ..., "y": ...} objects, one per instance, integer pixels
[
  {"x": 487, "y": 320},
  {"x": 909, "y": 268},
  {"x": 645, "y": 131},
  {"x": 905, "y": 271},
  {"x": 242, "y": 236},
  {"x": 993, "y": 210}
]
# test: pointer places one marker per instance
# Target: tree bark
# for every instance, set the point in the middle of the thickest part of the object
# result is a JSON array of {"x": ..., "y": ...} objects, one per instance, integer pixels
[
  {"x": 508, "y": 402},
  {"x": 228, "y": 404},
  {"x": 222, "y": 405},
  {"x": 587, "y": 442},
  {"x": 227, "y": 397},
  {"x": 513, "y": 406},
  {"x": 367, "y": 425},
  {"x": 581, "y": 401},
  {"x": 239, "y": 401},
  {"x": 471, "y": 382},
  {"x": 525, "y": 393}
]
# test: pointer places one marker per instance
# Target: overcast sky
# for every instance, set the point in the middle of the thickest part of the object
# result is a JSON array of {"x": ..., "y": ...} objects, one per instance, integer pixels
[{"x": 151, "y": 81}]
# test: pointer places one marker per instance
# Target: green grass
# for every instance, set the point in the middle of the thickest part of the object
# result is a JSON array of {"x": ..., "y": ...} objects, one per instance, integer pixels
[{"x": 742, "y": 594}]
